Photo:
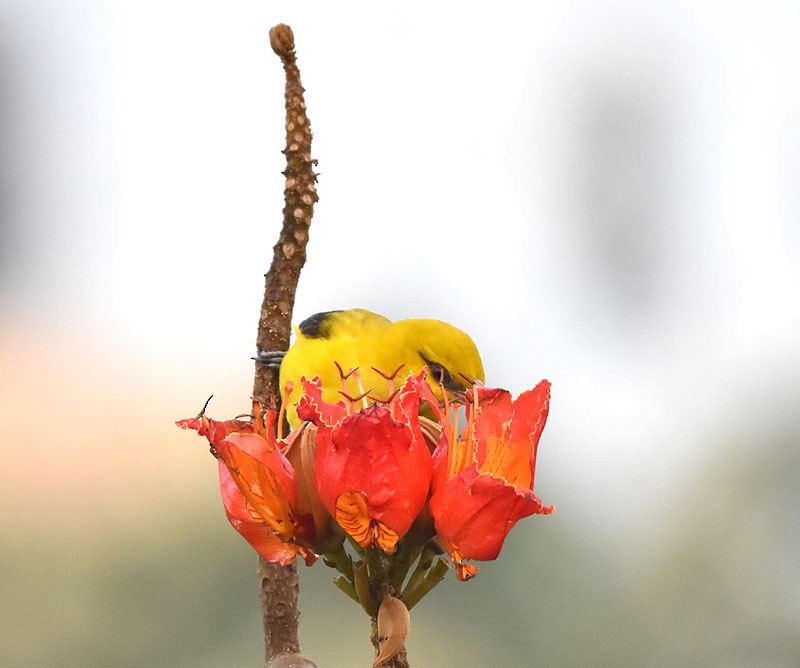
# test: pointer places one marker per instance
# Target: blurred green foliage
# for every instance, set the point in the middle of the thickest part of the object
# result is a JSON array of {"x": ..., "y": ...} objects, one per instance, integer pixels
[{"x": 719, "y": 588}]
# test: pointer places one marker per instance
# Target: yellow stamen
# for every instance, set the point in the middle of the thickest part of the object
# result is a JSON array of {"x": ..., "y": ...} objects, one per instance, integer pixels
[
  {"x": 258, "y": 422},
  {"x": 459, "y": 449},
  {"x": 464, "y": 448},
  {"x": 361, "y": 393},
  {"x": 496, "y": 450}
]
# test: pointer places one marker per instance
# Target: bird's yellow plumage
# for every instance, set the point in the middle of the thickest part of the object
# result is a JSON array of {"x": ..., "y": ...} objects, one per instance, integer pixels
[{"x": 361, "y": 339}]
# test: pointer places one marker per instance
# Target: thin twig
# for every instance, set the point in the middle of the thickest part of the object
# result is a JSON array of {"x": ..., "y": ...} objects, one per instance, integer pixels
[{"x": 278, "y": 584}]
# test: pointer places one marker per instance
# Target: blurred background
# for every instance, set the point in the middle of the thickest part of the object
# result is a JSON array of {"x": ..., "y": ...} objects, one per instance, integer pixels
[{"x": 604, "y": 194}]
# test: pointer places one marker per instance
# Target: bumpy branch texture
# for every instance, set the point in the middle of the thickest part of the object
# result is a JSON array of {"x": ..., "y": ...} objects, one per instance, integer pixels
[{"x": 278, "y": 584}]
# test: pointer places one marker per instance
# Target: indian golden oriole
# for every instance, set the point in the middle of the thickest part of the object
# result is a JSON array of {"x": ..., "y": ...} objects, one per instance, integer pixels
[{"x": 377, "y": 347}]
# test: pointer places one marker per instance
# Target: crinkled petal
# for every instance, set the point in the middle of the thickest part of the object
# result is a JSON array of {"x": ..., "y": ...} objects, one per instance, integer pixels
[
  {"x": 530, "y": 415},
  {"x": 387, "y": 461},
  {"x": 254, "y": 531},
  {"x": 483, "y": 487},
  {"x": 474, "y": 512},
  {"x": 314, "y": 408},
  {"x": 265, "y": 478},
  {"x": 493, "y": 415}
]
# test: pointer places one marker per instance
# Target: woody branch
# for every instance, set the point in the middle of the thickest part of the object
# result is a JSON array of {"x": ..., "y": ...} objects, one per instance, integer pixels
[{"x": 279, "y": 584}]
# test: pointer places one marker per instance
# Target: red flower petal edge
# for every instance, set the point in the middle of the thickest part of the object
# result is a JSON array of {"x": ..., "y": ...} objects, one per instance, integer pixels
[
  {"x": 373, "y": 467},
  {"x": 483, "y": 480}
]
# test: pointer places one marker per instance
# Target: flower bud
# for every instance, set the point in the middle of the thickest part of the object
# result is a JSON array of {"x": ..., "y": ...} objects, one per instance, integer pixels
[{"x": 393, "y": 624}]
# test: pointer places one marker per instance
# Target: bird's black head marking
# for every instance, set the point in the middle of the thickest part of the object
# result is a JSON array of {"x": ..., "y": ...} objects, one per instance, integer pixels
[{"x": 317, "y": 326}]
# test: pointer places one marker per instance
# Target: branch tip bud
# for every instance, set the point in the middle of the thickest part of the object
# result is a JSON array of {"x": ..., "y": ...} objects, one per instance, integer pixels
[{"x": 281, "y": 39}]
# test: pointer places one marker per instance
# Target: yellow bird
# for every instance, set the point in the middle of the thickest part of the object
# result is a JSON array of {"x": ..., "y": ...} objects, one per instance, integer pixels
[{"x": 358, "y": 338}]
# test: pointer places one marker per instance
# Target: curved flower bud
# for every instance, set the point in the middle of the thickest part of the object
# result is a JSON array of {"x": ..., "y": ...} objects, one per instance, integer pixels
[
  {"x": 393, "y": 624},
  {"x": 316, "y": 527},
  {"x": 483, "y": 481}
]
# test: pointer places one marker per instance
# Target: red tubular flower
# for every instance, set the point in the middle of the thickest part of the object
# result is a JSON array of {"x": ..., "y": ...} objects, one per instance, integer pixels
[
  {"x": 373, "y": 467},
  {"x": 483, "y": 482},
  {"x": 257, "y": 483}
]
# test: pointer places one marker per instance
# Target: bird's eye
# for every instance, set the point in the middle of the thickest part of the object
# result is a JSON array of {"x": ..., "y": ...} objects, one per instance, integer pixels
[{"x": 441, "y": 374}]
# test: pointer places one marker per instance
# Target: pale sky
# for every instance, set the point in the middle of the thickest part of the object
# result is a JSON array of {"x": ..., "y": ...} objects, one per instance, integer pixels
[{"x": 603, "y": 194}]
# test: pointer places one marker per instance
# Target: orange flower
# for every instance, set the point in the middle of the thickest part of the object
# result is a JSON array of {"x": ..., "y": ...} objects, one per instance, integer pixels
[
  {"x": 373, "y": 466},
  {"x": 483, "y": 481},
  {"x": 257, "y": 483}
]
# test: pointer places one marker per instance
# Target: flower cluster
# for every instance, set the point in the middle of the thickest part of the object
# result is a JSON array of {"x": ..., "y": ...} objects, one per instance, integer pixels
[{"x": 397, "y": 486}]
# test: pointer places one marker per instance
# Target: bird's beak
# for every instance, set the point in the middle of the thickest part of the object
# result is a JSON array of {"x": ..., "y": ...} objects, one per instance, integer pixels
[{"x": 458, "y": 397}]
